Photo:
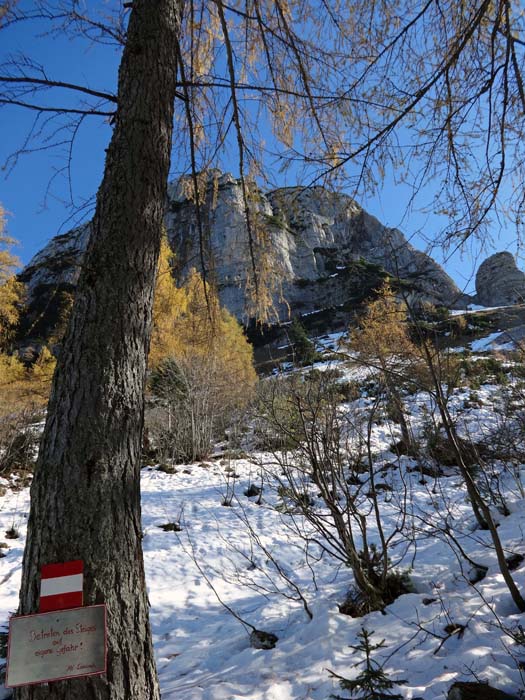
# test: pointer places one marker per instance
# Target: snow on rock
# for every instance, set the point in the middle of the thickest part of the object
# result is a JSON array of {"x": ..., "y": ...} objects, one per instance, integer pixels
[{"x": 494, "y": 341}]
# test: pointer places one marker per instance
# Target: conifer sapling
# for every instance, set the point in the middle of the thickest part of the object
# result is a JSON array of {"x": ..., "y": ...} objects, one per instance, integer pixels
[{"x": 372, "y": 683}]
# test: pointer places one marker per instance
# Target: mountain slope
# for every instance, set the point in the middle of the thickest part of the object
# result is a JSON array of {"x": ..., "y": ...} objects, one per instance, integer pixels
[{"x": 314, "y": 250}]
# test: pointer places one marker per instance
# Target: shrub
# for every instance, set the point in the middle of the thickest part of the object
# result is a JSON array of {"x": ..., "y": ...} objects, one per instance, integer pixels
[
  {"x": 484, "y": 370},
  {"x": 18, "y": 441},
  {"x": 318, "y": 445}
]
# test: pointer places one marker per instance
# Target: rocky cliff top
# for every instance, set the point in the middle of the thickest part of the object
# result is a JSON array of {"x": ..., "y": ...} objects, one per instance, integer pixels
[
  {"x": 314, "y": 238},
  {"x": 316, "y": 249}
]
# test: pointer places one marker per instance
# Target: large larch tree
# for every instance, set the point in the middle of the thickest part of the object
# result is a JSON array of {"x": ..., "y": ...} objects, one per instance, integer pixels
[{"x": 85, "y": 499}]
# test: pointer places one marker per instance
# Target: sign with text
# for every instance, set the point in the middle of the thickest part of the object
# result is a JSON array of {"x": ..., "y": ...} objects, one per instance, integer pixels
[{"x": 57, "y": 645}]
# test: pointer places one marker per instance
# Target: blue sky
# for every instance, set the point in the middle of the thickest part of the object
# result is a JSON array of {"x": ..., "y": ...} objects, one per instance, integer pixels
[
  {"x": 36, "y": 213},
  {"x": 35, "y": 193}
]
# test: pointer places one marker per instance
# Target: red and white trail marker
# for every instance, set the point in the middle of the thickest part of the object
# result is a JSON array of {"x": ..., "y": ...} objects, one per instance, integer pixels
[{"x": 62, "y": 586}]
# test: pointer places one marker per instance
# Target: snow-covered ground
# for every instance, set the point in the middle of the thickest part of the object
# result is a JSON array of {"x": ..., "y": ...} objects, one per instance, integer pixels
[
  {"x": 493, "y": 342},
  {"x": 474, "y": 308},
  {"x": 231, "y": 554}
]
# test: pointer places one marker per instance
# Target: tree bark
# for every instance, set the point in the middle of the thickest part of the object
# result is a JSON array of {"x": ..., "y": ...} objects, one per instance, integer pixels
[{"x": 85, "y": 497}]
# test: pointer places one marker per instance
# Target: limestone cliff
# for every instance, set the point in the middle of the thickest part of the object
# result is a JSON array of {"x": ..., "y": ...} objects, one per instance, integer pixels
[
  {"x": 499, "y": 282},
  {"x": 315, "y": 237},
  {"x": 49, "y": 275},
  {"x": 322, "y": 250}
]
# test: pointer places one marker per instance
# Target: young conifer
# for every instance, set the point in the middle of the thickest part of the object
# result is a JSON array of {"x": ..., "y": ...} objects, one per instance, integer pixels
[{"x": 372, "y": 683}]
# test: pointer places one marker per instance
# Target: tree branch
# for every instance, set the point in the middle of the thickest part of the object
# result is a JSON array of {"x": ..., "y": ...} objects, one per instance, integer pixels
[
  {"x": 57, "y": 110},
  {"x": 45, "y": 82}
]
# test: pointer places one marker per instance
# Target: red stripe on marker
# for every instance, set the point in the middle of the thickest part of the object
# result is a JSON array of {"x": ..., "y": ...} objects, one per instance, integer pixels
[
  {"x": 68, "y": 568},
  {"x": 64, "y": 601},
  {"x": 61, "y": 586}
]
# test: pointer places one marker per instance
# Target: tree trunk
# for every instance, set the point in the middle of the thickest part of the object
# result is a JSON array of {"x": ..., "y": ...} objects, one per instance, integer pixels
[
  {"x": 398, "y": 409},
  {"x": 480, "y": 508},
  {"x": 85, "y": 497}
]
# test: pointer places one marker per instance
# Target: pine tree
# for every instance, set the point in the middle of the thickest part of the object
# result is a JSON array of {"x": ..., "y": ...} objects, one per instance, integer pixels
[
  {"x": 372, "y": 682},
  {"x": 303, "y": 348}
]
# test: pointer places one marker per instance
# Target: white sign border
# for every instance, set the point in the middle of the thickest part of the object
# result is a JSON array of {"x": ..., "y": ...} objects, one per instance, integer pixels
[{"x": 62, "y": 678}]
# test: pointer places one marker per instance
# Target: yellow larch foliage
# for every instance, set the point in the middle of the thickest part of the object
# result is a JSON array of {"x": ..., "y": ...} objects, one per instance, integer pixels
[
  {"x": 169, "y": 303},
  {"x": 11, "y": 291},
  {"x": 13, "y": 395},
  {"x": 11, "y": 299},
  {"x": 41, "y": 373},
  {"x": 22, "y": 387},
  {"x": 235, "y": 354},
  {"x": 11, "y": 370},
  {"x": 384, "y": 343},
  {"x": 198, "y": 327},
  {"x": 211, "y": 337},
  {"x": 189, "y": 325},
  {"x": 8, "y": 261},
  {"x": 384, "y": 329}
]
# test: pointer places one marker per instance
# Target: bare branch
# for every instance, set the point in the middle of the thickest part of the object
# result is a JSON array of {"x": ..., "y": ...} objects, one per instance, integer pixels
[
  {"x": 57, "y": 110},
  {"x": 46, "y": 82}
]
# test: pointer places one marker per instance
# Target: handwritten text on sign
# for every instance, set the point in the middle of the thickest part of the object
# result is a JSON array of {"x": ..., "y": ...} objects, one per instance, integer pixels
[{"x": 56, "y": 645}]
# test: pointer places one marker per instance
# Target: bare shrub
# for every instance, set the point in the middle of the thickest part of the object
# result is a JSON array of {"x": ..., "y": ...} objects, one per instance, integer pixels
[
  {"x": 462, "y": 454},
  {"x": 323, "y": 466},
  {"x": 193, "y": 408},
  {"x": 18, "y": 441}
]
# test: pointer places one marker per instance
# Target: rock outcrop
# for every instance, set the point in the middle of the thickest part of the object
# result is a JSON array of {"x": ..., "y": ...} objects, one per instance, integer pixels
[
  {"x": 477, "y": 691},
  {"x": 52, "y": 273},
  {"x": 317, "y": 242},
  {"x": 315, "y": 250},
  {"x": 499, "y": 282}
]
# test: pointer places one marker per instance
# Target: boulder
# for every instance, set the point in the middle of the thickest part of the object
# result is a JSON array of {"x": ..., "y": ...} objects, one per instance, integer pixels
[
  {"x": 477, "y": 691},
  {"x": 259, "y": 639},
  {"x": 499, "y": 282}
]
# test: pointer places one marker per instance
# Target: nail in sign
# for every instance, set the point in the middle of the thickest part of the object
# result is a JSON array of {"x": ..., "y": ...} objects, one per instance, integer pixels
[{"x": 56, "y": 646}]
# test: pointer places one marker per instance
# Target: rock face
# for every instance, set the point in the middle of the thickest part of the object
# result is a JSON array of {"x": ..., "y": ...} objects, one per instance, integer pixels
[
  {"x": 318, "y": 242},
  {"x": 499, "y": 282},
  {"x": 50, "y": 274},
  {"x": 314, "y": 249}
]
